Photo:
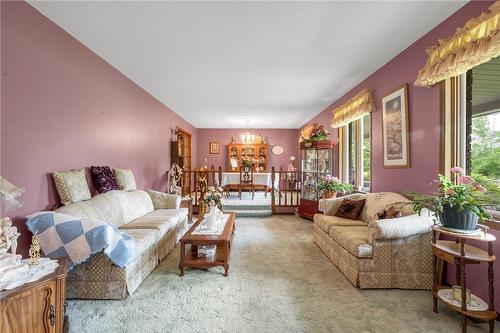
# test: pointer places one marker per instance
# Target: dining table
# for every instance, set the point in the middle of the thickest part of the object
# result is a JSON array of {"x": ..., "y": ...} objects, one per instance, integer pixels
[{"x": 259, "y": 178}]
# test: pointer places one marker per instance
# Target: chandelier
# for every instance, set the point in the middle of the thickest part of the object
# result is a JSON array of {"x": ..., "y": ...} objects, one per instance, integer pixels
[{"x": 247, "y": 137}]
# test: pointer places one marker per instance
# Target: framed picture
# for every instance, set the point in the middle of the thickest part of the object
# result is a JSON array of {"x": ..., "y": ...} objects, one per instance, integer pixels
[
  {"x": 395, "y": 128},
  {"x": 214, "y": 147}
]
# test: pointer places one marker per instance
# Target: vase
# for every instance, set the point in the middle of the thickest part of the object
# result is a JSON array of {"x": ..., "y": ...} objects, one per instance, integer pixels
[
  {"x": 329, "y": 195},
  {"x": 463, "y": 219},
  {"x": 211, "y": 218}
]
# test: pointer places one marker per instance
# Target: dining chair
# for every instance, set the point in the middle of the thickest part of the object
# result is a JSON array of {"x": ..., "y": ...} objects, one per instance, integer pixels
[{"x": 246, "y": 180}]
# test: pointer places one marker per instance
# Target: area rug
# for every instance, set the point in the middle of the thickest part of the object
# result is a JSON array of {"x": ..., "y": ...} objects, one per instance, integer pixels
[{"x": 279, "y": 281}]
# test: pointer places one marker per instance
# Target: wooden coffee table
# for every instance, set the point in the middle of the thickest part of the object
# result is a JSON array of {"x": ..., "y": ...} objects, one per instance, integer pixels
[{"x": 222, "y": 243}]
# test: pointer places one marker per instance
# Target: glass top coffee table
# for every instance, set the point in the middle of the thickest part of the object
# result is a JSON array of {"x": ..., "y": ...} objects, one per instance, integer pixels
[{"x": 222, "y": 243}]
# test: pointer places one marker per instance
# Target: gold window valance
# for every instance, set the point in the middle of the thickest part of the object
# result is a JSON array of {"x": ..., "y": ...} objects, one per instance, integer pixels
[
  {"x": 476, "y": 43},
  {"x": 355, "y": 108}
]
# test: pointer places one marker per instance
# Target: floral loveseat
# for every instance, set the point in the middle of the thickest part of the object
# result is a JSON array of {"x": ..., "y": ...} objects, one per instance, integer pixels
[
  {"x": 372, "y": 253},
  {"x": 154, "y": 219}
]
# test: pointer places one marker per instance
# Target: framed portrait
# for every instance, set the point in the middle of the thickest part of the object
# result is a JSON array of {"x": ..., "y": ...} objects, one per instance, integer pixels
[
  {"x": 214, "y": 147},
  {"x": 395, "y": 128}
]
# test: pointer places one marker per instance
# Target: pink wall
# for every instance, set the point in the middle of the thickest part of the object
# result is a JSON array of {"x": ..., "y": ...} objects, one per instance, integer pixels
[
  {"x": 288, "y": 138},
  {"x": 424, "y": 107},
  {"x": 63, "y": 107}
]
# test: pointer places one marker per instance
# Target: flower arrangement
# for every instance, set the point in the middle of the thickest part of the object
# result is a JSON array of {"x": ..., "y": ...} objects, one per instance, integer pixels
[
  {"x": 213, "y": 196},
  {"x": 314, "y": 133},
  {"x": 333, "y": 185},
  {"x": 461, "y": 193},
  {"x": 248, "y": 161},
  {"x": 319, "y": 134}
]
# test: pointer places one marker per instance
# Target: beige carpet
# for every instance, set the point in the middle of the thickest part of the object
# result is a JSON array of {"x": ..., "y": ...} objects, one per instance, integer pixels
[{"x": 279, "y": 281}]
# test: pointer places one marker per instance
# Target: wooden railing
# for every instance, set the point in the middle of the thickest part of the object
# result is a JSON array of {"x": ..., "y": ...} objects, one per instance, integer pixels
[
  {"x": 287, "y": 193},
  {"x": 284, "y": 198},
  {"x": 192, "y": 182}
]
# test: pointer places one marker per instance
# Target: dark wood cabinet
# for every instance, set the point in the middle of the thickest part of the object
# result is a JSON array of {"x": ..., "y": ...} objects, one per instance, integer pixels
[{"x": 37, "y": 306}]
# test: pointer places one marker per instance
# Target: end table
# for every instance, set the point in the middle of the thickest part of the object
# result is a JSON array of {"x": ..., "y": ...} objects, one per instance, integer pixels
[
  {"x": 459, "y": 253},
  {"x": 36, "y": 306}
]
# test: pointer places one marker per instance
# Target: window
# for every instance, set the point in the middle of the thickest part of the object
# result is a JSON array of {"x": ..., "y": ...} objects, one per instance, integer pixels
[
  {"x": 352, "y": 152},
  {"x": 471, "y": 124},
  {"x": 482, "y": 123},
  {"x": 355, "y": 151},
  {"x": 484, "y": 147},
  {"x": 366, "y": 144}
]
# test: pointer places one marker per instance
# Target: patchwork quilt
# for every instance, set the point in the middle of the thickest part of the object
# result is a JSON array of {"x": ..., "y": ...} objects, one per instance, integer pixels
[{"x": 63, "y": 235}]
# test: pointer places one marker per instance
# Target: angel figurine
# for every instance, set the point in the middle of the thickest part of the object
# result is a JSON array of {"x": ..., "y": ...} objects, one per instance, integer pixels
[{"x": 8, "y": 236}]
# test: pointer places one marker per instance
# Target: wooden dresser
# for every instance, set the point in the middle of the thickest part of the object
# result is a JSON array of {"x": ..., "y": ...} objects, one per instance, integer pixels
[{"x": 37, "y": 306}]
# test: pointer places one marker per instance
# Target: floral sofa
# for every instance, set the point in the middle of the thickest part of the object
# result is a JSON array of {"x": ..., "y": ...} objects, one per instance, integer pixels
[
  {"x": 372, "y": 253},
  {"x": 154, "y": 219}
]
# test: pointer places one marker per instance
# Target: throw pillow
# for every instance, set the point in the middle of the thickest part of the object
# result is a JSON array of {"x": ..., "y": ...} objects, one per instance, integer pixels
[
  {"x": 71, "y": 186},
  {"x": 125, "y": 179},
  {"x": 331, "y": 205},
  {"x": 403, "y": 207},
  {"x": 350, "y": 209},
  {"x": 103, "y": 178},
  {"x": 390, "y": 213},
  {"x": 377, "y": 202}
]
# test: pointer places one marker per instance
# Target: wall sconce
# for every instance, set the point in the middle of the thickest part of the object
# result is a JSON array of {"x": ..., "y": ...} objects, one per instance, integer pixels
[{"x": 9, "y": 194}]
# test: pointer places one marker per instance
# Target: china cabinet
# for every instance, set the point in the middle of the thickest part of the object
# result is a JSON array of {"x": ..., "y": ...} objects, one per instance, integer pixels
[
  {"x": 316, "y": 160},
  {"x": 258, "y": 152}
]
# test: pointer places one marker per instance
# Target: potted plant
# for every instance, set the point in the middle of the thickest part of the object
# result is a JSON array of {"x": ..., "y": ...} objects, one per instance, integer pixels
[
  {"x": 460, "y": 201},
  {"x": 330, "y": 186}
]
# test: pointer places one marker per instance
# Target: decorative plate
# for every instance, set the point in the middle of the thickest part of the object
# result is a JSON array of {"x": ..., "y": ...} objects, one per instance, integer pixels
[
  {"x": 278, "y": 150},
  {"x": 476, "y": 304}
]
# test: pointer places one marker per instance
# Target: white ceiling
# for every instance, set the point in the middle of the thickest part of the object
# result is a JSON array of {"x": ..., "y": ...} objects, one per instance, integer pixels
[{"x": 276, "y": 64}]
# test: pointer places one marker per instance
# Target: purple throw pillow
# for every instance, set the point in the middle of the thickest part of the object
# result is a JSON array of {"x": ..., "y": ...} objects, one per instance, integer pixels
[{"x": 103, "y": 178}]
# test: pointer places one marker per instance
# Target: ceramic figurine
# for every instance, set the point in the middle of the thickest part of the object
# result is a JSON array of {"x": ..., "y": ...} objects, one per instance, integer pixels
[
  {"x": 175, "y": 179},
  {"x": 202, "y": 181},
  {"x": 8, "y": 236}
]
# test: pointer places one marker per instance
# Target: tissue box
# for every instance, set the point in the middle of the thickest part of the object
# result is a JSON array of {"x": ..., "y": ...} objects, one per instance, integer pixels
[{"x": 206, "y": 251}]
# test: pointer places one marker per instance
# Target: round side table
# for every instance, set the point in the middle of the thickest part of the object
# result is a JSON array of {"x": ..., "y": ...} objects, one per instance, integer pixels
[{"x": 459, "y": 253}]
